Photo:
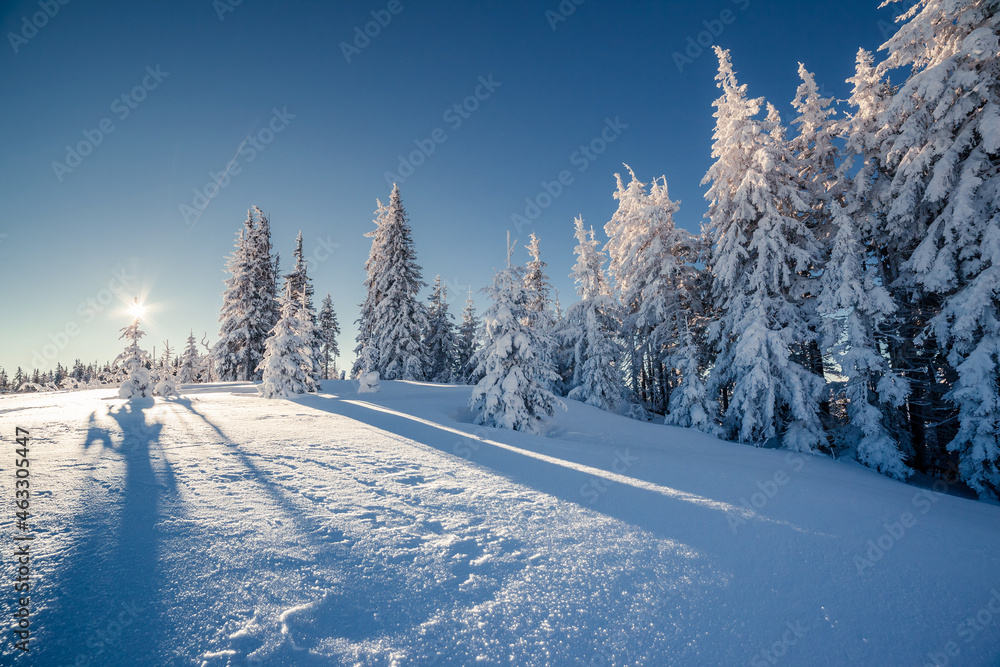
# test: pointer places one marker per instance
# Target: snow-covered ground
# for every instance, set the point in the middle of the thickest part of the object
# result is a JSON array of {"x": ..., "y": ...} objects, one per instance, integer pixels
[{"x": 225, "y": 529}]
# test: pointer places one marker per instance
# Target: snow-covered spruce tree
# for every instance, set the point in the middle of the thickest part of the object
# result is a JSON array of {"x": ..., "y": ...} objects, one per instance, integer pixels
[
  {"x": 943, "y": 126},
  {"x": 850, "y": 286},
  {"x": 163, "y": 379},
  {"x": 367, "y": 317},
  {"x": 760, "y": 248},
  {"x": 230, "y": 352},
  {"x": 262, "y": 264},
  {"x": 466, "y": 342},
  {"x": 247, "y": 313},
  {"x": 440, "y": 337},
  {"x": 287, "y": 366},
  {"x": 816, "y": 160},
  {"x": 853, "y": 299},
  {"x": 514, "y": 390},
  {"x": 593, "y": 326},
  {"x": 300, "y": 284},
  {"x": 328, "y": 330},
  {"x": 691, "y": 405},
  {"x": 539, "y": 307},
  {"x": 397, "y": 319},
  {"x": 190, "y": 360},
  {"x": 650, "y": 259},
  {"x": 133, "y": 363}
]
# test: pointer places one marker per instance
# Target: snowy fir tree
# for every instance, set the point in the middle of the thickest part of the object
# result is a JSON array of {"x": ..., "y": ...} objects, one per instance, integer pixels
[
  {"x": 367, "y": 317},
  {"x": 591, "y": 327},
  {"x": 392, "y": 315},
  {"x": 871, "y": 387},
  {"x": 287, "y": 366},
  {"x": 761, "y": 246},
  {"x": 514, "y": 390},
  {"x": 328, "y": 329},
  {"x": 690, "y": 403},
  {"x": 247, "y": 313},
  {"x": 164, "y": 383},
  {"x": 853, "y": 298},
  {"x": 133, "y": 363},
  {"x": 816, "y": 158},
  {"x": 650, "y": 260},
  {"x": 440, "y": 338},
  {"x": 300, "y": 284},
  {"x": 539, "y": 306},
  {"x": 190, "y": 362},
  {"x": 941, "y": 142},
  {"x": 466, "y": 343}
]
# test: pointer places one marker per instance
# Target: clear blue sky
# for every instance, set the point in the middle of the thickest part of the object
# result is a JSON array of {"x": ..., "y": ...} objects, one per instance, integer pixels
[{"x": 211, "y": 90}]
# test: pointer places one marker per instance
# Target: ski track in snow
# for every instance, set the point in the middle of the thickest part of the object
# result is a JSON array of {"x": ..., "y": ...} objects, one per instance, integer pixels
[{"x": 224, "y": 529}]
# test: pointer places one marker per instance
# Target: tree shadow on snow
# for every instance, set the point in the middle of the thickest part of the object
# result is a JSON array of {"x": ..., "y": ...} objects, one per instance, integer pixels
[
  {"x": 724, "y": 537},
  {"x": 108, "y": 594}
]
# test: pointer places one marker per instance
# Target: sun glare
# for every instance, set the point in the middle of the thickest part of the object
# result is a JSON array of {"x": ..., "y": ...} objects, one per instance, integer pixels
[{"x": 136, "y": 310}]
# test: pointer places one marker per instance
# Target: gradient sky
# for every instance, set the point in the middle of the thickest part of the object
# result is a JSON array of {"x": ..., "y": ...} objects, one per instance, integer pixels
[{"x": 69, "y": 237}]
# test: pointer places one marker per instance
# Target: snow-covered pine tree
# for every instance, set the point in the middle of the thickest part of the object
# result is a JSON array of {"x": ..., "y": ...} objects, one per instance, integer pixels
[
  {"x": 943, "y": 148},
  {"x": 853, "y": 299},
  {"x": 440, "y": 338},
  {"x": 328, "y": 330},
  {"x": 591, "y": 327},
  {"x": 190, "y": 361},
  {"x": 398, "y": 319},
  {"x": 230, "y": 352},
  {"x": 262, "y": 263},
  {"x": 367, "y": 317},
  {"x": 514, "y": 390},
  {"x": 761, "y": 245},
  {"x": 247, "y": 313},
  {"x": 850, "y": 286},
  {"x": 287, "y": 365},
  {"x": 300, "y": 284},
  {"x": 163, "y": 382},
  {"x": 816, "y": 160},
  {"x": 132, "y": 363},
  {"x": 539, "y": 306},
  {"x": 691, "y": 405},
  {"x": 649, "y": 261},
  {"x": 466, "y": 342}
]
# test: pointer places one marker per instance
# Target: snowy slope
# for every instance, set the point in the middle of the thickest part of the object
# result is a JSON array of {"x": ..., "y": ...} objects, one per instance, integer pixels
[{"x": 374, "y": 529}]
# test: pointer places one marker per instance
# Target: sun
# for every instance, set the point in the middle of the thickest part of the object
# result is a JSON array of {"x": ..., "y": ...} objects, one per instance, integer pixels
[{"x": 136, "y": 310}]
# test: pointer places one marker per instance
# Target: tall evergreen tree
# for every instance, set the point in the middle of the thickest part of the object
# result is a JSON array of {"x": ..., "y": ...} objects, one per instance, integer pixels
[
  {"x": 649, "y": 260},
  {"x": 466, "y": 343},
  {"x": 372, "y": 266},
  {"x": 396, "y": 319},
  {"x": 300, "y": 285},
  {"x": 247, "y": 313},
  {"x": 816, "y": 159},
  {"x": 852, "y": 283},
  {"x": 190, "y": 361},
  {"x": 440, "y": 338},
  {"x": 328, "y": 330},
  {"x": 539, "y": 306},
  {"x": 287, "y": 366},
  {"x": 591, "y": 327},
  {"x": 513, "y": 391},
  {"x": 942, "y": 147},
  {"x": 761, "y": 246},
  {"x": 133, "y": 362}
]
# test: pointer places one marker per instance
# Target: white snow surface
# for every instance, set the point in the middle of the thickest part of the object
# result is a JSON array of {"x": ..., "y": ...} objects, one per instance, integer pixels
[{"x": 220, "y": 528}]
